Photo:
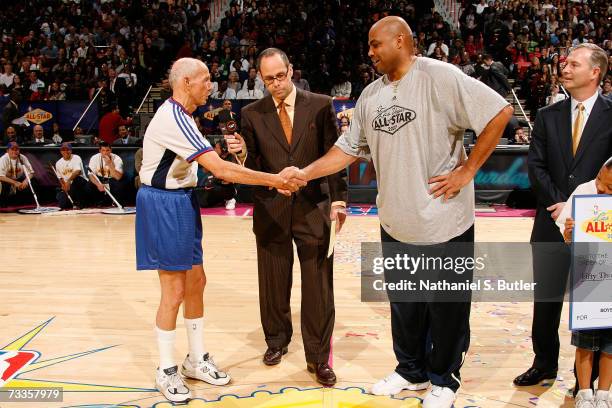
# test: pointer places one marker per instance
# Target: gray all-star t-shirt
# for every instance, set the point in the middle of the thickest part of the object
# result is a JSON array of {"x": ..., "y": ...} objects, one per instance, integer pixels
[{"x": 413, "y": 130}]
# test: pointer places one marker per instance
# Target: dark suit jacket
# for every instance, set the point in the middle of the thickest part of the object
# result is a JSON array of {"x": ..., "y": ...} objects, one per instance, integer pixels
[
  {"x": 315, "y": 131},
  {"x": 554, "y": 172}
]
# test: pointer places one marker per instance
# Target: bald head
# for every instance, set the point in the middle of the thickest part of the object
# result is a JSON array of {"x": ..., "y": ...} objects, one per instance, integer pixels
[
  {"x": 185, "y": 68},
  {"x": 390, "y": 44},
  {"x": 190, "y": 82},
  {"x": 393, "y": 25}
]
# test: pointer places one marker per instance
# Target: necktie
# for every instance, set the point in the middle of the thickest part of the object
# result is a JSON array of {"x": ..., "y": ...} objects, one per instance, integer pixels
[
  {"x": 577, "y": 131},
  {"x": 285, "y": 121}
]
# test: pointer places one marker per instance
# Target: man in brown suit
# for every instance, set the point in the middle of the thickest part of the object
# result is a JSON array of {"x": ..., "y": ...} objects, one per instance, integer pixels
[{"x": 291, "y": 127}]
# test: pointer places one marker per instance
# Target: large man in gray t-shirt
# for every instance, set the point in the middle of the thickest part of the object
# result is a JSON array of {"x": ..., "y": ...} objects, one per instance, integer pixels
[{"x": 411, "y": 123}]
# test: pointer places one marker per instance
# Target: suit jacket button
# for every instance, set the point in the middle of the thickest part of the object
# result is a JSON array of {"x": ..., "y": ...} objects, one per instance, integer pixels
[{"x": 571, "y": 176}]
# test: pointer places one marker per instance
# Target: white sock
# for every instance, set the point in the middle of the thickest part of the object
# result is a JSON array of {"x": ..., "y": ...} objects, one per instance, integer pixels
[
  {"x": 165, "y": 343},
  {"x": 195, "y": 336},
  {"x": 601, "y": 395}
]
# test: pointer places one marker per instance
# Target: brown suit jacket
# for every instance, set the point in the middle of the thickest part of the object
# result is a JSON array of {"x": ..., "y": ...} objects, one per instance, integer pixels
[{"x": 315, "y": 131}]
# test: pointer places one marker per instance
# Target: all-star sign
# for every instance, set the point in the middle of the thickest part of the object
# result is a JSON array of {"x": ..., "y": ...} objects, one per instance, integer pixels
[{"x": 38, "y": 116}]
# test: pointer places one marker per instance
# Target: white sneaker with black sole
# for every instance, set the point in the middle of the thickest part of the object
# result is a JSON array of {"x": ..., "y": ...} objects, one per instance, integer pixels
[
  {"x": 171, "y": 385},
  {"x": 395, "y": 383},
  {"x": 439, "y": 397},
  {"x": 204, "y": 370}
]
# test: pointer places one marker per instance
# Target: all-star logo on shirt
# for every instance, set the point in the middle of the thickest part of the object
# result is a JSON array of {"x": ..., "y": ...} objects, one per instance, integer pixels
[{"x": 393, "y": 119}]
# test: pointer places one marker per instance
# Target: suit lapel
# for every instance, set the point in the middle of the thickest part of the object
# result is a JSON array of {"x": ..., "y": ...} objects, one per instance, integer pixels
[
  {"x": 300, "y": 117},
  {"x": 564, "y": 124},
  {"x": 591, "y": 128},
  {"x": 272, "y": 122}
]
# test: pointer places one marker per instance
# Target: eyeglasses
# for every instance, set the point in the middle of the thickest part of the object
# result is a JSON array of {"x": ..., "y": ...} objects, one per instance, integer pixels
[{"x": 279, "y": 77}]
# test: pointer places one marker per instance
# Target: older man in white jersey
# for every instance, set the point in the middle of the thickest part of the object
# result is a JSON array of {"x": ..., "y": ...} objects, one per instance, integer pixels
[{"x": 169, "y": 227}]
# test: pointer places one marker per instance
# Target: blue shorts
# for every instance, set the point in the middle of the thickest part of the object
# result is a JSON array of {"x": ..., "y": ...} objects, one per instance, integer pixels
[{"x": 168, "y": 229}]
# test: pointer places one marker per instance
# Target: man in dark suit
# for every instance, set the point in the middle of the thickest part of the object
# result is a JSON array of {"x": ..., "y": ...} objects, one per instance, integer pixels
[
  {"x": 291, "y": 127},
  {"x": 570, "y": 141}
]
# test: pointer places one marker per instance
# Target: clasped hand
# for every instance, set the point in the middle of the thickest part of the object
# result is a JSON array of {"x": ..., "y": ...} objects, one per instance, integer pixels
[{"x": 290, "y": 180}]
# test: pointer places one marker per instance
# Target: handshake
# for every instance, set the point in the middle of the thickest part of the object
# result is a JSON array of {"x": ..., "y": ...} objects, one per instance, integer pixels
[{"x": 288, "y": 181}]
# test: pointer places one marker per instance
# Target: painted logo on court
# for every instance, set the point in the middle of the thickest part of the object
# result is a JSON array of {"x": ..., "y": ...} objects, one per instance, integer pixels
[
  {"x": 393, "y": 119},
  {"x": 15, "y": 363},
  {"x": 12, "y": 362}
]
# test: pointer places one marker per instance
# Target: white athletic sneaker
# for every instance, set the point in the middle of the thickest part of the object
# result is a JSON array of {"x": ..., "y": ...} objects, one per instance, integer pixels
[
  {"x": 205, "y": 370},
  {"x": 230, "y": 204},
  {"x": 394, "y": 384},
  {"x": 584, "y": 399},
  {"x": 171, "y": 385},
  {"x": 603, "y": 399},
  {"x": 439, "y": 397}
]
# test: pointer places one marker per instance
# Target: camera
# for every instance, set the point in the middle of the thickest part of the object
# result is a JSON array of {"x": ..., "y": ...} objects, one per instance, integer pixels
[{"x": 227, "y": 128}]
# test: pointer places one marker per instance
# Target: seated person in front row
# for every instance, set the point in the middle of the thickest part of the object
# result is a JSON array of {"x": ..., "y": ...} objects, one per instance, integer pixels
[
  {"x": 14, "y": 188},
  {"x": 70, "y": 168},
  {"x": 108, "y": 167},
  {"x": 588, "y": 342},
  {"x": 124, "y": 137}
]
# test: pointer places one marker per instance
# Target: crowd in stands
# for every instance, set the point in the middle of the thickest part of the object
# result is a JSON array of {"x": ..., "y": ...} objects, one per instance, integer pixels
[{"x": 68, "y": 50}]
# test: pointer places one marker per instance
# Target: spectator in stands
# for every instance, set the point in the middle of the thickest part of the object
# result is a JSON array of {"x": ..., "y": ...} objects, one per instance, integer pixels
[
  {"x": 108, "y": 167},
  {"x": 607, "y": 88},
  {"x": 251, "y": 92},
  {"x": 345, "y": 124},
  {"x": 7, "y": 77},
  {"x": 520, "y": 137},
  {"x": 56, "y": 135},
  {"x": 439, "y": 43},
  {"x": 224, "y": 92},
  {"x": 466, "y": 65},
  {"x": 72, "y": 179},
  {"x": 38, "y": 136},
  {"x": 494, "y": 74},
  {"x": 298, "y": 81},
  {"x": 253, "y": 75},
  {"x": 365, "y": 79},
  {"x": 35, "y": 83},
  {"x": 555, "y": 95},
  {"x": 233, "y": 82},
  {"x": 108, "y": 128},
  {"x": 10, "y": 135},
  {"x": 342, "y": 87},
  {"x": 244, "y": 64},
  {"x": 124, "y": 137},
  {"x": 55, "y": 92},
  {"x": 13, "y": 180}
]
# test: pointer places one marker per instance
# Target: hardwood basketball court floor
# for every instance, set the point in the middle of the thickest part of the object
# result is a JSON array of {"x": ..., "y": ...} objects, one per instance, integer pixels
[{"x": 80, "y": 317}]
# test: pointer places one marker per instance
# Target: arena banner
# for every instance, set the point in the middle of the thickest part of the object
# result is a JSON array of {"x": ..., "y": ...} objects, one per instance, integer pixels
[
  {"x": 591, "y": 273},
  {"x": 65, "y": 113}
]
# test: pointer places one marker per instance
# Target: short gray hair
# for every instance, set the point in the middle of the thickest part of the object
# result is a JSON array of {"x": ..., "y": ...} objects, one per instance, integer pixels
[
  {"x": 183, "y": 67},
  {"x": 598, "y": 58}
]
